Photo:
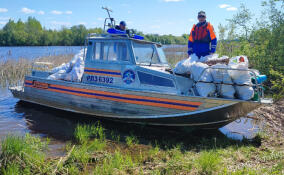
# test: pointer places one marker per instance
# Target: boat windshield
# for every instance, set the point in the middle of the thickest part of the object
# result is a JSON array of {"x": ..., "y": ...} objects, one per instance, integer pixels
[{"x": 148, "y": 54}]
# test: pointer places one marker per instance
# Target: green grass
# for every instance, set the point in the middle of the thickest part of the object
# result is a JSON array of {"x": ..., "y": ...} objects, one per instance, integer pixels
[
  {"x": 91, "y": 153},
  {"x": 24, "y": 154},
  {"x": 131, "y": 140},
  {"x": 117, "y": 163},
  {"x": 84, "y": 132},
  {"x": 208, "y": 162}
]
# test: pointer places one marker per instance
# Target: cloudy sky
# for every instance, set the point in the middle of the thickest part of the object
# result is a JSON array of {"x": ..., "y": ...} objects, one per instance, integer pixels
[{"x": 150, "y": 16}]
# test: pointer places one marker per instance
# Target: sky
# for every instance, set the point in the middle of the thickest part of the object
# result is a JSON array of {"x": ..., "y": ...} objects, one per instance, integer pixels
[{"x": 174, "y": 17}]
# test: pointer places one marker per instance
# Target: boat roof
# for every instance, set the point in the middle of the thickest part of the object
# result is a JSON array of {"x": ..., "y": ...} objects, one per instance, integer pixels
[{"x": 119, "y": 36}]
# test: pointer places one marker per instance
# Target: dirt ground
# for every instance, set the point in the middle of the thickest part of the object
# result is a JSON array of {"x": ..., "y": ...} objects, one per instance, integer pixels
[{"x": 273, "y": 116}]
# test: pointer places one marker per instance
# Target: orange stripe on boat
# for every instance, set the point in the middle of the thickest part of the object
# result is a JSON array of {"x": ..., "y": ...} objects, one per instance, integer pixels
[
  {"x": 133, "y": 99},
  {"x": 127, "y": 101},
  {"x": 126, "y": 95}
]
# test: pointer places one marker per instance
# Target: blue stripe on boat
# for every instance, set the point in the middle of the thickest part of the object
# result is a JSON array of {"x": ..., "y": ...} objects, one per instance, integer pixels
[{"x": 104, "y": 72}]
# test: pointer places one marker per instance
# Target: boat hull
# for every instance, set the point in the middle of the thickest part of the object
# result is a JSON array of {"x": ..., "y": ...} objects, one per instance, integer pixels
[{"x": 132, "y": 106}]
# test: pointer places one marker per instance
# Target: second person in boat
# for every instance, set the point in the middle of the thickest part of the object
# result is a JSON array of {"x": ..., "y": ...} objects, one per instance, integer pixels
[{"x": 202, "y": 39}]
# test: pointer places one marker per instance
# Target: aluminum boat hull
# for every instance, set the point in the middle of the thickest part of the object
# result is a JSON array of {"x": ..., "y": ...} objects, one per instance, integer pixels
[{"x": 133, "y": 106}]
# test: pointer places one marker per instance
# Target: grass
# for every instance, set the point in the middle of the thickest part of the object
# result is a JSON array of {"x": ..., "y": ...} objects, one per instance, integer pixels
[
  {"x": 84, "y": 132},
  {"x": 208, "y": 162},
  {"x": 25, "y": 154},
  {"x": 92, "y": 152},
  {"x": 115, "y": 164},
  {"x": 131, "y": 140}
]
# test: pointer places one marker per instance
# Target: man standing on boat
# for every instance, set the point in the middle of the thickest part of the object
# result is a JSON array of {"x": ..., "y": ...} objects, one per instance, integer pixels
[{"x": 202, "y": 39}]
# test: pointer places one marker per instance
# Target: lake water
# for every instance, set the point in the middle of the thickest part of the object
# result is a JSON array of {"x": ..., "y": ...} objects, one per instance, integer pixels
[
  {"x": 19, "y": 118},
  {"x": 36, "y": 51}
]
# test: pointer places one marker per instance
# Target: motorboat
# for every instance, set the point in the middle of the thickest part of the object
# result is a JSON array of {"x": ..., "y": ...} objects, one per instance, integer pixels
[{"x": 128, "y": 79}]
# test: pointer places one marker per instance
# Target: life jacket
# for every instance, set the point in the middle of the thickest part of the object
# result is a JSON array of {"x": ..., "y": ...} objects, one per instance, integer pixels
[{"x": 201, "y": 33}]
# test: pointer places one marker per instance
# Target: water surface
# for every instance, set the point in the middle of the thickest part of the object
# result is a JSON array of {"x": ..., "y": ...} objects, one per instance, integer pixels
[{"x": 31, "y": 52}]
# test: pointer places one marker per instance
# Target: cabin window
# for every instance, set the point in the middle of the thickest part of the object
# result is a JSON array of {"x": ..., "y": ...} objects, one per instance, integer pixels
[
  {"x": 97, "y": 50},
  {"x": 111, "y": 51},
  {"x": 145, "y": 54}
]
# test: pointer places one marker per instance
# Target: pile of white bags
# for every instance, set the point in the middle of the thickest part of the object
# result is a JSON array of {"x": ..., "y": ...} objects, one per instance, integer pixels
[
  {"x": 241, "y": 77},
  {"x": 195, "y": 67},
  {"x": 72, "y": 71}
]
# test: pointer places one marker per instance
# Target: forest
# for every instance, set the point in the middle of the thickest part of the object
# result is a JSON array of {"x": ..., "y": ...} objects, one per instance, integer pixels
[{"x": 32, "y": 33}]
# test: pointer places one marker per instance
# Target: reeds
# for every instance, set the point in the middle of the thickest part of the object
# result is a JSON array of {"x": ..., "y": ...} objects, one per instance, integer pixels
[{"x": 13, "y": 71}]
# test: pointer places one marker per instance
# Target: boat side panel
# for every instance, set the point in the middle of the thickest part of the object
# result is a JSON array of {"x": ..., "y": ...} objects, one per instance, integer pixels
[
  {"x": 93, "y": 105},
  {"x": 205, "y": 102},
  {"x": 122, "y": 108}
]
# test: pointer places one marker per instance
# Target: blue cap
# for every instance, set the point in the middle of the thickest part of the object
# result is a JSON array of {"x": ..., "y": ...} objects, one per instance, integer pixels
[{"x": 122, "y": 23}]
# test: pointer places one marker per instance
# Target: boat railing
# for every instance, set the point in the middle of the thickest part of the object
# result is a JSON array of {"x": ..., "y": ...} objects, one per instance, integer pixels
[
  {"x": 257, "y": 86},
  {"x": 90, "y": 35},
  {"x": 42, "y": 66}
]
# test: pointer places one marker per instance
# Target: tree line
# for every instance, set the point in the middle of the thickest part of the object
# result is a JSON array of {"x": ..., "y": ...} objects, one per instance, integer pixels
[{"x": 31, "y": 33}]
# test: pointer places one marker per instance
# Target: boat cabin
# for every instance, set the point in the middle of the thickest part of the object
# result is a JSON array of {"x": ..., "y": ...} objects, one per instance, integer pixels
[{"x": 121, "y": 61}]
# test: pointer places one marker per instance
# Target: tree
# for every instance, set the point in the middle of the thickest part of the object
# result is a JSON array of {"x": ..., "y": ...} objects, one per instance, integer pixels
[
  {"x": 242, "y": 19},
  {"x": 34, "y": 29}
]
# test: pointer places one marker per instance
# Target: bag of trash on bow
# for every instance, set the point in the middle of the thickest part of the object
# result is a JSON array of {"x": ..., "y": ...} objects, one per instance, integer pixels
[
  {"x": 64, "y": 66},
  {"x": 220, "y": 75},
  {"x": 77, "y": 71},
  {"x": 183, "y": 66},
  {"x": 59, "y": 75},
  {"x": 241, "y": 77},
  {"x": 200, "y": 72},
  {"x": 71, "y": 71}
]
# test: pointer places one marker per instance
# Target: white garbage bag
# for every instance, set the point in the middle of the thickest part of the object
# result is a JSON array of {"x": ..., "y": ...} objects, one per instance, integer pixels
[
  {"x": 71, "y": 71},
  {"x": 220, "y": 75},
  {"x": 239, "y": 60},
  {"x": 77, "y": 72},
  {"x": 209, "y": 58},
  {"x": 59, "y": 75},
  {"x": 183, "y": 66},
  {"x": 65, "y": 66},
  {"x": 200, "y": 72},
  {"x": 245, "y": 92},
  {"x": 79, "y": 55},
  {"x": 242, "y": 76},
  {"x": 226, "y": 91},
  {"x": 205, "y": 89}
]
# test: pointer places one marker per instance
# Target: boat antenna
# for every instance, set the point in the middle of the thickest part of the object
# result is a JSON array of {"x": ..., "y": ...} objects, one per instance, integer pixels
[{"x": 112, "y": 21}]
